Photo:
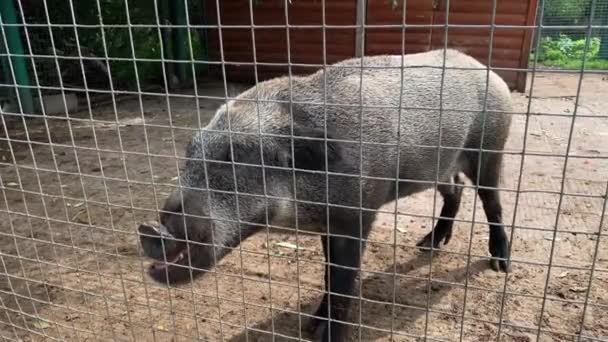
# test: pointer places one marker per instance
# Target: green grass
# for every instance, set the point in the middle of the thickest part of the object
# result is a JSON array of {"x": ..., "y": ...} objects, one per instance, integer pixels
[
  {"x": 566, "y": 53},
  {"x": 595, "y": 64}
]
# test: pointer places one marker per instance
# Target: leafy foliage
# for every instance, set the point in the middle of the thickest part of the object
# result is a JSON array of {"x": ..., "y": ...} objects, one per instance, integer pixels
[
  {"x": 569, "y": 53},
  {"x": 120, "y": 43},
  {"x": 566, "y": 12}
]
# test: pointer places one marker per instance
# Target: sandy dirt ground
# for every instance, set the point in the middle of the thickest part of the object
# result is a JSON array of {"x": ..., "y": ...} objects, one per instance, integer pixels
[{"x": 71, "y": 266}]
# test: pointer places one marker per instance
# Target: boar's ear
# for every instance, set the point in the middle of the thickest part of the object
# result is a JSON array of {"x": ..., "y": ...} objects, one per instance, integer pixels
[
  {"x": 173, "y": 204},
  {"x": 309, "y": 154},
  {"x": 308, "y": 148},
  {"x": 249, "y": 153}
]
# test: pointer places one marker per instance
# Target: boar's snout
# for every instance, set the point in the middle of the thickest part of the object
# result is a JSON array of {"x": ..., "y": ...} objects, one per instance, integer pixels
[
  {"x": 180, "y": 246},
  {"x": 156, "y": 242}
]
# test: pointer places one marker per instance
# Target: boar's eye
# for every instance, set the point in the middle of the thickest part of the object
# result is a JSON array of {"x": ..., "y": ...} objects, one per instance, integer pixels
[
  {"x": 172, "y": 206},
  {"x": 228, "y": 157}
]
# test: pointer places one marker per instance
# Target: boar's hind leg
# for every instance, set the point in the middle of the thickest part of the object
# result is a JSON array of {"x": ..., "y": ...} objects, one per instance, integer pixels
[
  {"x": 343, "y": 259},
  {"x": 489, "y": 180}
]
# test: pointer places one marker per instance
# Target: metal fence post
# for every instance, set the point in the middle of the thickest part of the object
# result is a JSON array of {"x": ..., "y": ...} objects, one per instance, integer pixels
[
  {"x": 180, "y": 36},
  {"x": 360, "y": 35},
  {"x": 15, "y": 50},
  {"x": 603, "y": 12}
]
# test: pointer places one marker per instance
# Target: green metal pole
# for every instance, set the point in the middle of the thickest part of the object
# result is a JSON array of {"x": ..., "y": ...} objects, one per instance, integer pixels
[
  {"x": 163, "y": 12},
  {"x": 15, "y": 47},
  {"x": 6, "y": 72},
  {"x": 180, "y": 36},
  {"x": 603, "y": 12},
  {"x": 203, "y": 38}
]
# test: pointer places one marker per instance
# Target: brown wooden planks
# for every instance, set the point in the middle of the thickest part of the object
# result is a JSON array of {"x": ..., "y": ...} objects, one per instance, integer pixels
[{"x": 510, "y": 47}]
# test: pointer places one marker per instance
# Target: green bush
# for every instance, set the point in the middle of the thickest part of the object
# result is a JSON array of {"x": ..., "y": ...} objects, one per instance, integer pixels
[
  {"x": 566, "y": 12},
  {"x": 122, "y": 44},
  {"x": 568, "y": 53}
]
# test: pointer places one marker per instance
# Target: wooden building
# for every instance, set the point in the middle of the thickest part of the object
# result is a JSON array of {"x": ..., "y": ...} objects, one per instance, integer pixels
[{"x": 384, "y": 33}]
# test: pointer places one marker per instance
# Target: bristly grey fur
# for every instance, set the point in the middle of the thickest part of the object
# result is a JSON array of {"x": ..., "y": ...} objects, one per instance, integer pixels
[
  {"x": 449, "y": 102},
  {"x": 462, "y": 101}
]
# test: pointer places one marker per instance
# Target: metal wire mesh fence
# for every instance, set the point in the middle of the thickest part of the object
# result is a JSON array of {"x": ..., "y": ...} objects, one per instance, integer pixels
[{"x": 134, "y": 118}]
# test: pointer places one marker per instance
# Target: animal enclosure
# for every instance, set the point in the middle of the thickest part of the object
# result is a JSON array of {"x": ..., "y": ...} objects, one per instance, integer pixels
[{"x": 77, "y": 181}]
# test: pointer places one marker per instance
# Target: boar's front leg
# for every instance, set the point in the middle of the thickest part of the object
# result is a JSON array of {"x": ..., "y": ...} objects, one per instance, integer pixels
[
  {"x": 452, "y": 195},
  {"x": 343, "y": 261}
]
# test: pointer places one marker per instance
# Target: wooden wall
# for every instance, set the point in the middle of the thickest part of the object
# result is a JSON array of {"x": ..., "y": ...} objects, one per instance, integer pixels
[
  {"x": 510, "y": 46},
  {"x": 306, "y": 44}
]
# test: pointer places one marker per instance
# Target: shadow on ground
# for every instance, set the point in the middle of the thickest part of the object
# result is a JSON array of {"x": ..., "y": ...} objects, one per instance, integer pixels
[{"x": 411, "y": 297}]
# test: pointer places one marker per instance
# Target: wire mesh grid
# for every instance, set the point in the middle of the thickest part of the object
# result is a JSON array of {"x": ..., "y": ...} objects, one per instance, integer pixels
[{"x": 77, "y": 183}]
